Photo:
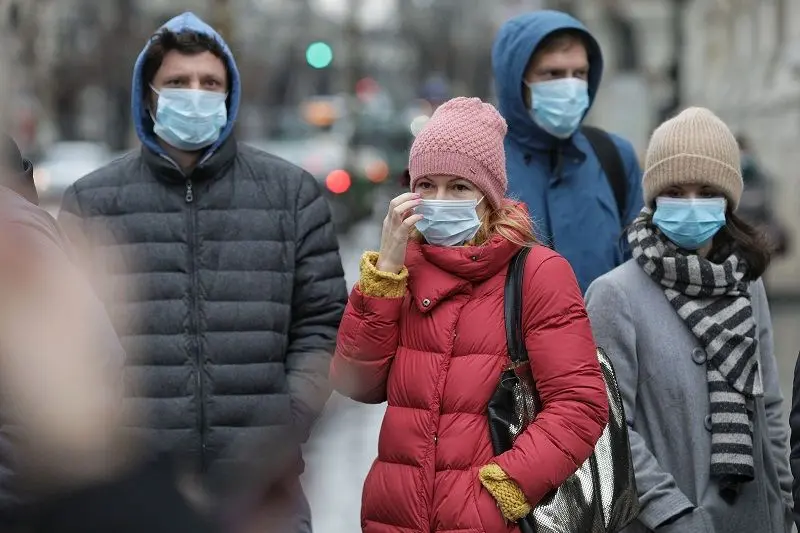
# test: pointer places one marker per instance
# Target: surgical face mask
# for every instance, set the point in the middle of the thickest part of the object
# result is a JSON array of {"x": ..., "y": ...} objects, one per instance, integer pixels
[
  {"x": 190, "y": 119},
  {"x": 448, "y": 222},
  {"x": 558, "y": 106},
  {"x": 689, "y": 222}
]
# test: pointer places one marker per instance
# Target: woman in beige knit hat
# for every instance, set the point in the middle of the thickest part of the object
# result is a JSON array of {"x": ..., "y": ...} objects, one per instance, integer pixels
[{"x": 687, "y": 325}]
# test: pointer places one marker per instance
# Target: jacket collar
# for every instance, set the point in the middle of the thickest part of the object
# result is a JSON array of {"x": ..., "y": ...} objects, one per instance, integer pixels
[
  {"x": 211, "y": 166},
  {"x": 438, "y": 272}
]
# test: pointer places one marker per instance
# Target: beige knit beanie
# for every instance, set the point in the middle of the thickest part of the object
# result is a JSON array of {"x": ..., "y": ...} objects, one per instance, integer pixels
[{"x": 693, "y": 147}]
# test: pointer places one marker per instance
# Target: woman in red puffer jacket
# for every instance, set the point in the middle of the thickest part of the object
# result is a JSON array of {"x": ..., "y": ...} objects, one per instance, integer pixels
[{"x": 424, "y": 330}]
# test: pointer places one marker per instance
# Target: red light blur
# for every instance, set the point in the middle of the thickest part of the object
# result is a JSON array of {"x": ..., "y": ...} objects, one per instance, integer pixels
[
  {"x": 366, "y": 88},
  {"x": 338, "y": 181},
  {"x": 377, "y": 172}
]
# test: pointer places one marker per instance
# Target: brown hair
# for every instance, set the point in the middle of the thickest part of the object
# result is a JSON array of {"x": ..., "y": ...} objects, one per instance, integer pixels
[
  {"x": 188, "y": 43},
  {"x": 560, "y": 40},
  {"x": 510, "y": 222},
  {"x": 745, "y": 240}
]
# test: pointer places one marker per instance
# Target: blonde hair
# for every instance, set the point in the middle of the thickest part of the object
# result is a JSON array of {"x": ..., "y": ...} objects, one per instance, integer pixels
[{"x": 510, "y": 221}]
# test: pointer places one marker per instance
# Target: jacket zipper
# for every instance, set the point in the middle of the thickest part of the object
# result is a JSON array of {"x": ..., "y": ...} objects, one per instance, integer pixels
[{"x": 201, "y": 422}]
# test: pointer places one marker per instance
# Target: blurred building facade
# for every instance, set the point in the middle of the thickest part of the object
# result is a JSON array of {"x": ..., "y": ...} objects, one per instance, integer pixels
[
  {"x": 87, "y": 48},
  {"x": 739, "y": 57},
  {"x": 742, "y": 59}
]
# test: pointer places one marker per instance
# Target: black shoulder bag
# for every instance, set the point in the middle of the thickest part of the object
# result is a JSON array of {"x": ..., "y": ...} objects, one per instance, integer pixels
[{"x": 601, "y": 496}]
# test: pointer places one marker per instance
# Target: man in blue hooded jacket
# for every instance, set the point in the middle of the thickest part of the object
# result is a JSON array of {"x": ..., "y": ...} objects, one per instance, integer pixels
[
  {"x": 233, "y": 284},
  {"x": 547, "y": 69}
]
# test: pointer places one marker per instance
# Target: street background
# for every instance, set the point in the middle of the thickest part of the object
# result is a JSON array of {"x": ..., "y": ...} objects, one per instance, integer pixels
[{"x": 340, "y": 87}]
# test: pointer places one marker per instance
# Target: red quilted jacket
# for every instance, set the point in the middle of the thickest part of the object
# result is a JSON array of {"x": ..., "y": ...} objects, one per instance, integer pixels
[{"x": 436, "y": 355}]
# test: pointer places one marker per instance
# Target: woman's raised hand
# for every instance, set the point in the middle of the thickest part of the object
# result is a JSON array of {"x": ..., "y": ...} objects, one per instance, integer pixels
[{"x": 397, "y": 227}]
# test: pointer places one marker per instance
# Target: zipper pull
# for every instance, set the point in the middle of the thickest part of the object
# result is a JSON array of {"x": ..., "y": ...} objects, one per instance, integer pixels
[{"x": 189, "y": 193}]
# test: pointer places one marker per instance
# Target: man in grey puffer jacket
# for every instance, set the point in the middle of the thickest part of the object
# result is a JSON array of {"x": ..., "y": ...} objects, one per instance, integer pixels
[{"x": 233, "y": 284}]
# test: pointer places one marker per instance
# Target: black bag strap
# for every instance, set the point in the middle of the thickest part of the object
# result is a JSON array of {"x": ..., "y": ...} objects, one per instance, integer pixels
[
  {"x": 612, "y": 165},
  {"x": 512, "y": 308}
]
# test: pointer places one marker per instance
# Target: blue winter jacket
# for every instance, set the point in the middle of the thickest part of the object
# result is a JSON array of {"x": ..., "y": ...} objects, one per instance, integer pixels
[{"x": 568, "y": 195}]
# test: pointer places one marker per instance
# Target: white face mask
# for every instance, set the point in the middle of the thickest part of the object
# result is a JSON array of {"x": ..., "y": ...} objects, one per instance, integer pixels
[
  {"x": 189, "y": 119},
  {"x": 448, "y": 222}
]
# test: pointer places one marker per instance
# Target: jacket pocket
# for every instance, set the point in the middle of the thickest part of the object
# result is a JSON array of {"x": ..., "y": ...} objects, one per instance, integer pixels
[{"x": 489, "y": 515}]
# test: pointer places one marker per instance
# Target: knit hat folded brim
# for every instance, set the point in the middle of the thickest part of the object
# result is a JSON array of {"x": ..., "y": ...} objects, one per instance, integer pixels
[
  {"x": 449, "y": 164},
  {"x": 688, "y": 169}
]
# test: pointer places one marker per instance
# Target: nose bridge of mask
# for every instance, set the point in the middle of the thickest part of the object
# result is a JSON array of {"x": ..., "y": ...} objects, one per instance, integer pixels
[
  {"x": 194, "y": 100},
  {"x": 447, "y": 210},
  {"x": 449, "y": 203},
  {"x": 691, "y": 209},
  {"x": 562, "y": 90}
]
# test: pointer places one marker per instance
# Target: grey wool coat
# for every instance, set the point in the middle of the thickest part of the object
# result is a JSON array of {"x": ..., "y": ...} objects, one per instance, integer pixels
[{"x": 661, "y": 369}]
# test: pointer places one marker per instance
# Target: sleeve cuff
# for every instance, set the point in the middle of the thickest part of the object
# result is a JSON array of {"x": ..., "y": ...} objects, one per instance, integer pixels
[
  {"x": 669, "y": 505},
  {"x": 379, "y": 284},
  {"x": 509, "y": 496}
]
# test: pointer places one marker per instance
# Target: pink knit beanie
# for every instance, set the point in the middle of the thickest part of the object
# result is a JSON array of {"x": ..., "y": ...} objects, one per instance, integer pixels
[{"x": 463, "y": 138}]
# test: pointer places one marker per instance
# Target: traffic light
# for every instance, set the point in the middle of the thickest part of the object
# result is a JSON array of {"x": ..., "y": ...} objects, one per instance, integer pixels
[{"x": 319, "y": 55}]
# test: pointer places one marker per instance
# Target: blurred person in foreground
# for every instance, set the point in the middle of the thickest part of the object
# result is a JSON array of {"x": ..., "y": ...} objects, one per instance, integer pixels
[
  {"x": 67, "y": 465},
  {"x": 547, "y": 69},
  {"x": 34, "y": 229},
  {"x": 234, "y": 264},
  {"x": 687, "y": 325},
  {"x": 424, "y": 330}
]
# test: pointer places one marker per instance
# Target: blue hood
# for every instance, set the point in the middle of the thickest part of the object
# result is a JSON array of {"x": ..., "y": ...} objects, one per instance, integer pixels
[
  {"x": 141, "y": 116},
  {"x": 513, "y": 47}
]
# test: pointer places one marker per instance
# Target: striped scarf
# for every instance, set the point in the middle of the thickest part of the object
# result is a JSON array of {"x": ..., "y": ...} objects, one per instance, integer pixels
[{"x": 714, "y": 302}]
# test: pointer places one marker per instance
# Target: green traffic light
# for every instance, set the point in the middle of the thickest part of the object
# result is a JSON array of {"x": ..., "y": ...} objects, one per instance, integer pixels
[{"x": 319, "y": 55}]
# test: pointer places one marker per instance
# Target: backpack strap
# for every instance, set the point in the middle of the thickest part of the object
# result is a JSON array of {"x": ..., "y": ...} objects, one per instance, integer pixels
[{"x": 611, "y": 162}]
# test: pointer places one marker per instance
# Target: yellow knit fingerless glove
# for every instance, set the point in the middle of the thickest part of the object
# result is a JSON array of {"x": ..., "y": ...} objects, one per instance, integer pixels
[
  {"x": 378, "y": 284},
  {"x": 509, "y": 496}
]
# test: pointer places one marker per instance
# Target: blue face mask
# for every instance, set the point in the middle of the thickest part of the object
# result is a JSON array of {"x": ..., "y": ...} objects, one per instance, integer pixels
[
  {"x": 190, "y": 119},
  {"x": 558, "y": 106},
  {"x": 689, "y": 222},
  {"x": 448, "y": 222}
]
